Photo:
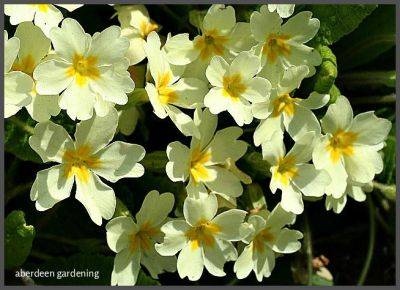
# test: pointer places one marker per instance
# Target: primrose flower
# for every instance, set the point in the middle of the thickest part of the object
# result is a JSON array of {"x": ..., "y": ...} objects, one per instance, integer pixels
[
  {"x": 203, "y": 239},
  {"x": 220, "y": 35},
  {"x": 281, "y": 46},
  {"x": 354, "y": 190},
  {"x": 283, "y": 111},
  {"x": 34, "y": 47},
  {"x": 134, "y": 241},
  {"x": 235, "y": 86},
  {"x": 291, "y": 172},
  {"x": 45, "y": 16},
  {"x": 268, "y": 237},
  {"x": 284, "y": 10},
  {"x": 82, "y": 161},
  {"x": 349, "y": 149},
  {"x": 136, "y": 25},
  {"x": 17, "y": 85},
  {"x": 169, "y": 91},
  {"x": 91, "y": 72},
  {"x": 204, "y": 163}
]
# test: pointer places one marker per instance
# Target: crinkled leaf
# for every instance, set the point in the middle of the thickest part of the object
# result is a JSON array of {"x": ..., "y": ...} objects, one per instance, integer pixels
[
  {"x": 338, "y": 20},
  {"x": 18, "y": 239}
]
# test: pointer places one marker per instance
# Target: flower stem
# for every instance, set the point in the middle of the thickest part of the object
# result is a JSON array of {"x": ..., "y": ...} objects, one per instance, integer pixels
[
  {"x": 28, "y": 129},
  {"x": 371, "y": 242},
  {"x": 309, "y": 250}
]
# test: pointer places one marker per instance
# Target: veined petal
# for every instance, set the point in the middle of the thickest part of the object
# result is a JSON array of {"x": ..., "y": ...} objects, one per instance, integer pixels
[
  {"x": 263, "y": 23},
  {"x": 287, "y": 241},
  {"x": 126, "y": 268},
  {"x": 214, "y": 260},
  {"x": 338, "y": 175},
  {"x": 370, "y": 129},
  {"x": 97, "y": 197},
  {"x": 155, "y": 208},
  {"x": 264, "y": 263},
  {"x": 70, "y": 39},
  {"x": 119, "y": 230},
  {"x": 183, "y": 122},
  {"x": 207, "y": 124},
  {"x": 120, "y": 160},
  {"x": 244, "y": 264},
  {"x": 180, "y": 49},
  {"x": 266, "y": 129},
  {"x": 315, "y": 101},
  {"x": 220, "y": 18},
  {"x": 303, "y": 122},
  {"x": 301, "y": 27},
  {"x": 292, "y": 78},
  {"x": 178, "y": 156},
  {"x": 96, "y": 132},
  {"x": 215, "y": 101},
  {"x": 199, "y": 209},
  {"x": 17, "y": 88},
  {"x": 135, "y": 52},
  {"x": 241, "y": 112},
  {"x": 190, "y": 92},
  {"x": 216, "y": 70},
  {"x": 278, "y": 218},
  {"x": 257, "y": 91},
  {"x": 274, "y": 149},
  {"x": 51, "y": 77},
  {"x": 190, "y": 263},
  {"x": 338, "y": 116},
  {"x": 50, "y": 187},
  {"x": 50, "y": 141},
  {"x": 174, "y": 239},
  {"x": 43, "y": 107},
  {"x": 245, "y": 64},
  {"x": 310, "y": 181},
  {"x": 229, "y": 223}
]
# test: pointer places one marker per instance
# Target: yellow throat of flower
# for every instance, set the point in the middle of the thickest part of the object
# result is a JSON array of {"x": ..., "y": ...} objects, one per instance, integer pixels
[
  {"x": 146, "y": 27},
  {"x": 143, "y": 238},
  {"x": 166, "y": 94},
  {"x": 341, "y": 143},
  {"x": 210, "y": 44},
  {"x": 26, "y": 65},
  {"x": 261, "y": 238},
  {"x": 202, "y": 234},
  {"x": 233, "y": 86},
  {"x": 285, "y": 170},
  {"x": 276, "y": 45},
  {"x": 78, "y": 162},
  {"x": 197, "y": 165},
  {"x": 284, "y": 103},
  {"x": 83, "y": 69},
  {"x": 42, "y": 7}
]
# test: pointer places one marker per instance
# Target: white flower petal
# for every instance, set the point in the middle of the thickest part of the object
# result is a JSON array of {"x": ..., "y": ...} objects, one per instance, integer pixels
[
  {"x": 119, "y": 230},
  {"x": 183, "y": 122},
  {"x": 46, "y": 20},
  {"x": 244, "y": 264},
  {"x": 155, "y": 208},
  {"x": 196, "y": 210},
  {"x": 310, "y": 181},
  {"x": 338, "y": 116},
  {"x": 303, "y": 122},
  {"x": 190, "y": 92},
  {"x": 264, "y": 263},
  {"x": 278, "y": 218},
  {"x": 78, "y": 101},
  {"x": 50, "y": 187},
  {"x": 214, "y": 260},
  {"x": 356, "y": 192},
  {"x": 216, "y": 70},
  {"x": 315, "y": 101},
  {"x": 301, "y": 27},
  {"x": 126, "y": 268},
  {"x": 11, "y": 48},
  {"x": 336, "y": 204},
  {"x": 120, "y": 160},
  {"x": 50, "y": 141},
  {"x": 17, "y": 88},
  {"x": 370, "y": 129},
  {"x": 190, "y": 263},
  {"x": 221, "y": 19},
  {"x": 287, "y": 241},
  {"x": 178, "y": 166},
  {"x": 266, "y": 129},
  {"x": 157, "y": 264},
  {"x": 292, "y": 200},
  {"x": 263, "y": 23},
  {"x": 174, "y": 239},
  {"x": 51, "y": 77},
  {"x": 43, "y": 107},
  {"x": 135, "y": 52},
  {"x": 246, "y": 65},
  {"x": 180, "y": 49},
  {"x": 96, "y": 132},
  {"x": 229, "y": 223}
]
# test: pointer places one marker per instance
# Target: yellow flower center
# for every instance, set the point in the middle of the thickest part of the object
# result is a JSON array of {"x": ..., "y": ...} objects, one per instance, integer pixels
[
  {"x": 146, "y": 27},
  {"x": 166, "y": 94},
  {"x": 42, "y": 7},
  {"x": 197, "y": 165},
  {"x": 84, "y": 69},
  {"x": 285, "y": 170},
  {"x": 276, "y": 45},
  {"x": 78, "y": 162},
  {"x": 284, "y": 103},
  {"x": 233, "y": 86},
  {"x": 143, "y": 238},
  {"x": 260, "y": 239},
  {"x": 210, "y": 44},
  {"x": 26, "y": 64},
  {"x": 341, "y": 143},
  {"x": 202, "y": 234}
]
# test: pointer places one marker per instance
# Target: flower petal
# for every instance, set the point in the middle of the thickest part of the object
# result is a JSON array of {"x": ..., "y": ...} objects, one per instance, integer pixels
[
  {"x": 244, "y": 264},
  {"x": 292, "y": 200},
  {"x": 287, "y": 241},
  {"x": 338, "y": 116},
  {"x": 301, "y": 27},
  {"x": 198, "y": 209},
  {"x": 50, "y": 141},
  {"x": 126, "y": 268},
  {"x": 119, "y": 230},
  {"x": 174, "y": 239},
  {"x": 310, "y": 181},
  {"x": 190, "y": 263},
  {"x": 51, "y": 77},
  {"x": 229, "y": 223},
  {"x": 263, "y": 23},
  {"x": 178, "y": 164},
  {"x": 370, "y": 129},
  {"x": 216, "y": 70},
  {"x": 219, "y": 18}
]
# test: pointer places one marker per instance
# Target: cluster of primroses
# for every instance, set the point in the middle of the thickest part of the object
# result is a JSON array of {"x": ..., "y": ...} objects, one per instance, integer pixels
[{"x": 250, "y": 70}]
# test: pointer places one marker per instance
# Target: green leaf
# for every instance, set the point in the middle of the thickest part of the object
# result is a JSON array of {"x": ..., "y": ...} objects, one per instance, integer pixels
[
  {"x": 155, "y": 161},
  {"x": 17, "y": 131},
  {"x": 375, "y": 35},
  {"x": 121, "y": 209},
  {"x": 337, "y": 20},
  {"x": 253, "y": 164},
  {"x": 388, "y": 174},
  {"x": 196, "y": 17},
  {"x": 18, "y": 239},
  {"x": 144, "y": 280},
  {"x": 368, "y": 80},
  {"x": 254, "y": 197}
]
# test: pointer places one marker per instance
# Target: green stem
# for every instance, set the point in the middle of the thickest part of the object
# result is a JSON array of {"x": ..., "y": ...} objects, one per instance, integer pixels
[
  {"x": 309, "y": 250},
  {"x": 371, "y": 242},
  {"x": 387, "y": 99},
  {"x": 22, "y": 125},
  {"x": 389, "y": 191}
]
